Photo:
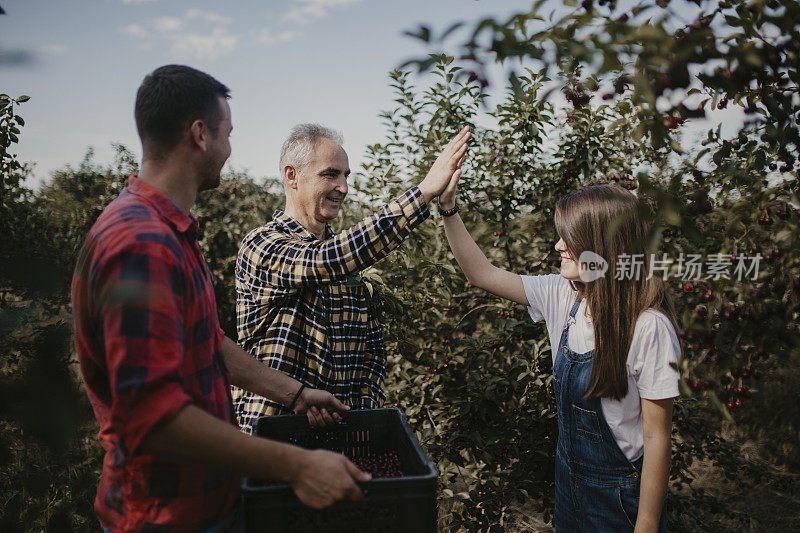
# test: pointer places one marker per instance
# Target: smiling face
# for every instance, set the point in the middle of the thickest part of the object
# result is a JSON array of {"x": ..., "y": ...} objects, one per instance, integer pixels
[
  {"x": 320, "y": 187},
  {"x": 569, "y": 265}
]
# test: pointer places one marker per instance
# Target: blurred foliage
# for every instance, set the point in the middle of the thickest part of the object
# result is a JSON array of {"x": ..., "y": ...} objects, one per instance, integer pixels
[{"x": 49, "y": 457}]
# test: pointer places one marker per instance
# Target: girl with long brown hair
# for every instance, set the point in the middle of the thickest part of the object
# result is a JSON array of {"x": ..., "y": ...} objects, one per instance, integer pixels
[{"x": 615, "y": 354}]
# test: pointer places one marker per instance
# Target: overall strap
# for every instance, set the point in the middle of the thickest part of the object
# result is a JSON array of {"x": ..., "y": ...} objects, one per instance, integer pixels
[
  {"x": 572, "y": 312},
  {"x": 575, "y": 308}
]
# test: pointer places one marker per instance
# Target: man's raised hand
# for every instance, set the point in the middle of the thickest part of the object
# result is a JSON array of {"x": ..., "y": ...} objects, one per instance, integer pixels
[{"x": 445, "y": 166}]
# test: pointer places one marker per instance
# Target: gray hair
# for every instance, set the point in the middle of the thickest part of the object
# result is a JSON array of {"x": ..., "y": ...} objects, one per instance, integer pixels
[{"x": 297, "y": 148}]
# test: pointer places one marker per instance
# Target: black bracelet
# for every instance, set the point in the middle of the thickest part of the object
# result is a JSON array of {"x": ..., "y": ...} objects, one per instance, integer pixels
[
  {"x": 448, "y": 212},
  {"x": 297, "y": 396}
]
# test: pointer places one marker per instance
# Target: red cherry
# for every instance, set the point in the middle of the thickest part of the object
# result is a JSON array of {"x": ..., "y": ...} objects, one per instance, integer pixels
[{"x": 688, "y": 287}]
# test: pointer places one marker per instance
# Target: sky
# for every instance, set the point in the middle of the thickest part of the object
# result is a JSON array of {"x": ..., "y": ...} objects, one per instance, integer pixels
[{"x": 286, "y": 62}]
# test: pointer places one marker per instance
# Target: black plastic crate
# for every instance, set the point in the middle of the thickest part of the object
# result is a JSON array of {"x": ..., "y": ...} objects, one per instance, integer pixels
[{"x": 400, "y": 504}]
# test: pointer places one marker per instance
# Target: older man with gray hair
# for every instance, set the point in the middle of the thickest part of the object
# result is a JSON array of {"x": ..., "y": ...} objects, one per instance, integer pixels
[{"x": 298, "y": 307}]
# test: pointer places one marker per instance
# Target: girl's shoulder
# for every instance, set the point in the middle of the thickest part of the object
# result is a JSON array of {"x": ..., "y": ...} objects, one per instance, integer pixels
[
  {"x": 549, "y": 296},
  {"x": 547, "y": 283},
  {"x": 654, "y": 336},
  {"x": 653, "y": 357},
  {"x": 653, "y": 321}
]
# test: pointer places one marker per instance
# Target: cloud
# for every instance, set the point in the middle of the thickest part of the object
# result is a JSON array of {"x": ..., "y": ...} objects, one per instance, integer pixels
[
  {"x": 301, "y": 12},
  {"x": 198, "y": 34},
  {"x": 205, "y": 46},
  {"x": 306, "y": 11},
  {"x": 208, "y": 16},
  {"x": 269, "y": 36},
  {"x": 167, "y": 24},
  {"x": 136, "y": 30}
]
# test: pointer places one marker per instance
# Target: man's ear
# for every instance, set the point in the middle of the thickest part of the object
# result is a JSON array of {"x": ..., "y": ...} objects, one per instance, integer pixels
[
  {"x": 290, "y": 176},
  {"x": 199, "y": 134}
]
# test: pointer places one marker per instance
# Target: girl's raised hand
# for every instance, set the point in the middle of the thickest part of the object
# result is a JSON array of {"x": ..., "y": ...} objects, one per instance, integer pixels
[{"x": 447, "y": 200}]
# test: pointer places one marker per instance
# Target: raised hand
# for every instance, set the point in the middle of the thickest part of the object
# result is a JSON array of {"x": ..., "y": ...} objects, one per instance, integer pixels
[
  {"x": 445, "y": 166},
  {"x": 447, "y": 200}
]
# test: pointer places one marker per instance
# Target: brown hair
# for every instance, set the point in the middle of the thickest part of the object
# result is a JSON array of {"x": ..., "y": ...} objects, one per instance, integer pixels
[
  {"x": 606, "y": 220},
  {"x": 169, "y": 99}
]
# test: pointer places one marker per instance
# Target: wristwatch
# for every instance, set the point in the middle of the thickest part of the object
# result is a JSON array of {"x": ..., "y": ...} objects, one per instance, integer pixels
[{"x": 448, "y": 212}]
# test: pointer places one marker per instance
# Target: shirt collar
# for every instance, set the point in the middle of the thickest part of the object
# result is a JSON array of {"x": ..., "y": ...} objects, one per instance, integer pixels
[
  {"x": 294, "y": 226},
  {"x": 165, "y": 207}
]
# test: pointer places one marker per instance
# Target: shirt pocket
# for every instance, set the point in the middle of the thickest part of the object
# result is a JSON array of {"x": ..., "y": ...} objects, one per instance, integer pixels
[{"x": 587, "y": 424}]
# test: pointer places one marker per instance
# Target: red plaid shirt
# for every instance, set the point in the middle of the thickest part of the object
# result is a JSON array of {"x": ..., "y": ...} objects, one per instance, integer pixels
[{"x": 149, "y": 343}]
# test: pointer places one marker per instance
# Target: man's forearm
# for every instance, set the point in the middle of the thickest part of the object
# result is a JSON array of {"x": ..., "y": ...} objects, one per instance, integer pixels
[
  {"x": 250, "y": 374},
  {"x": 197, "y": 439}
]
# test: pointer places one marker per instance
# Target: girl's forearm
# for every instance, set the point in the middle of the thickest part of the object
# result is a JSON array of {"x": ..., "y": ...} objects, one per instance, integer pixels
[
  {"x": 479, "y": 271},
  {"x": 657, "y": 427},
  {"x": 470, "y": 258},
  {"x": 653, "y": 488}
]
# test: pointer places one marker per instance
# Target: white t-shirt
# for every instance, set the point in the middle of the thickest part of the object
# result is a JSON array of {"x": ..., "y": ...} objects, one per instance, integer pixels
[{"x": 654, "y": 346}]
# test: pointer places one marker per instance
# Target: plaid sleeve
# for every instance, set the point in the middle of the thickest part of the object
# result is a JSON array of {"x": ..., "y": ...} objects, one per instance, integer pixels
[
  {"x": 139, "y": 304},
  {"x": 273, "y": 259}
]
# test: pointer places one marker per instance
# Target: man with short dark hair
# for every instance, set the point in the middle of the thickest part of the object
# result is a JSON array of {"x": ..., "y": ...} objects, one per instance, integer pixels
[
  {"x": 156, "y": 365},
  {"x": 300, "y": 307}
]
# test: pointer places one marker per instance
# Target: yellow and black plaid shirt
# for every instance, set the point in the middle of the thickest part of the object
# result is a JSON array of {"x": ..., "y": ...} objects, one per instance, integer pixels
[{"x": 300, "y": 310}]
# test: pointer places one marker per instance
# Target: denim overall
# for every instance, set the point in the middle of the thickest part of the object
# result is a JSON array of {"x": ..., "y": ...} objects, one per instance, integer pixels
[{"x": 597, "y": 487}]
